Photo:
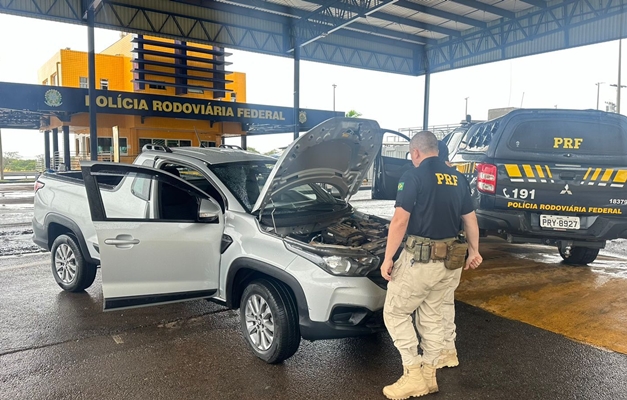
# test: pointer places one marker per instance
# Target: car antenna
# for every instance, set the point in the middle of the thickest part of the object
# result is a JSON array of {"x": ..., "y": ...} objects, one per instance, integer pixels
[{"x": 198, "y": 137}]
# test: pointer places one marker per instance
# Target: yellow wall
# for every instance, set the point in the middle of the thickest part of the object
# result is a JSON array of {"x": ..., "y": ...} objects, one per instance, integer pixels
[{"x": 115, "y": 64}]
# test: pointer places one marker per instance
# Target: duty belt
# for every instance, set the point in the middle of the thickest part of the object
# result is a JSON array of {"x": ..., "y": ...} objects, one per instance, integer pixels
[{"x": 423, "y": 249}]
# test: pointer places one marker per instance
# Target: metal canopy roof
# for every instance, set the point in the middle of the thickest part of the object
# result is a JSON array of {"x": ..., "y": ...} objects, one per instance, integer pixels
[{"x": 410, "y": 37}]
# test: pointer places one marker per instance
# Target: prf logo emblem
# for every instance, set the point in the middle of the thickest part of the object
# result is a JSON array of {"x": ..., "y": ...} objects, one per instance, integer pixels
[
  {"x": 566, "y": 190},
  {"x": 302, "y": 117},
  {"x": 53, "y": 98},
  {"x": 567, "y": 143},
  {"x": 401, "y": 185}
]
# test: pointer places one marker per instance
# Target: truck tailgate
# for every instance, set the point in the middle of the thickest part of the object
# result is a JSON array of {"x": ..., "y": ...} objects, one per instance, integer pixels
[{"x": 562, "y": 189}]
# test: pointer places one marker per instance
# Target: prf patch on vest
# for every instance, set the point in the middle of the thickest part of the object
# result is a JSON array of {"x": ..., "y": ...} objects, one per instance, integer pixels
[
  {"x": 401, "y": 185},
  {"x": 446, "y": 179}
]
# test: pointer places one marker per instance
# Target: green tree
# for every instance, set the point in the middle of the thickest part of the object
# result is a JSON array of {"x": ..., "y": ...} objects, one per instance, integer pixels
[
  {"x": 353, "y": 114},
  {"x": 252, "y": 149},
  {"x": 13, "y": 162}
]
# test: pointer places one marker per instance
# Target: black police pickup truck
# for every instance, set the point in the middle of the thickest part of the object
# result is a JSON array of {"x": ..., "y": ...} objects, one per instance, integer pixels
[{"x": 554, "y": 177}]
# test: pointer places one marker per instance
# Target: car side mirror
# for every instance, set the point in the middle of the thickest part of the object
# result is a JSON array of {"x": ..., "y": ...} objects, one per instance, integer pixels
[{"x": 209, "y": 211}]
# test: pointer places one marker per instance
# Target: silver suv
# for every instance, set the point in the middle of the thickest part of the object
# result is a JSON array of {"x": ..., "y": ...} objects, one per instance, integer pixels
[{"x": 275, "y": 238}]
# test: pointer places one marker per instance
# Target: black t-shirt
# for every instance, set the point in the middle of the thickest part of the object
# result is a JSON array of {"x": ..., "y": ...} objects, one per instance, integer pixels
[{"x": 436, "y": 196}]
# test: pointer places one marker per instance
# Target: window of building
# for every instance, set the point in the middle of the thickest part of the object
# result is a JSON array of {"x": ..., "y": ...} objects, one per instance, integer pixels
[
  {"x": 53, "y": 80},
  {"x": 195, "y": 91},
  {"x": 105, "y": 145},
  {"x": 45, "y": 82},
  {"x": 83, "y": 83},
  {"x": 206, "y": 143},
  {"x": 165, "y": 142},
  {"x": 123, "y": 143},
  {"x": 104, "y": 84},
  {"x": 158, "y": 87}
]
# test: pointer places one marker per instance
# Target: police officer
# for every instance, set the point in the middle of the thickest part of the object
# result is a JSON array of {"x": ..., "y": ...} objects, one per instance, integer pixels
[{"x": 431, "y": 201}]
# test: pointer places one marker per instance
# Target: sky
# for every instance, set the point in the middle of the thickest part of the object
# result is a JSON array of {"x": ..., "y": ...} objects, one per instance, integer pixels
[{"x": 565, "y": 79}]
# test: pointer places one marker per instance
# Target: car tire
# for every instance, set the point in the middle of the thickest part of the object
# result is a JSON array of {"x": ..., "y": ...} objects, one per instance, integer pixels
[
  {"x": 70, "y": 269},
  {"x": 580, "y": 255},
  {"x": 269, "y": 321}
]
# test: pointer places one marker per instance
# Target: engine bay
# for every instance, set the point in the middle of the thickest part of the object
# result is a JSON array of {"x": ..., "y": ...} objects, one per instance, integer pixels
[{"x": 357, "y": 231}]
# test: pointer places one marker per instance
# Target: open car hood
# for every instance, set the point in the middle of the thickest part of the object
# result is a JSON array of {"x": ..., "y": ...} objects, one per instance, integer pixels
[{"x": 337, "y": 152}]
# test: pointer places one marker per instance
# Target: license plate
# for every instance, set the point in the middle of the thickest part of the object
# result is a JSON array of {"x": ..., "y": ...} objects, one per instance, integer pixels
[{"x": 559, "y": 222}]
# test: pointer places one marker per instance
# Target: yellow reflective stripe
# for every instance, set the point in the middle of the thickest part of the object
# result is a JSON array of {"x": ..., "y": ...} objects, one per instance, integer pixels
[
  {"x": 621, "y": 176},
  {"x": 540, "y": 172},
  {"x": 607, "y": 175},
  {"x": 587, "y": 173},
  {"x": 528, "y": 171},
  {"x": 513, "y": 171},
  {"x": 596, "y": 174},
  {"x": 548, "y": 171}
]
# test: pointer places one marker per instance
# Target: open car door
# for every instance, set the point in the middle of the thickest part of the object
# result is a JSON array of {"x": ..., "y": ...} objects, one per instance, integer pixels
[
  {"x": 159, "y": 237},
  {"x": 391, "y": 162}
]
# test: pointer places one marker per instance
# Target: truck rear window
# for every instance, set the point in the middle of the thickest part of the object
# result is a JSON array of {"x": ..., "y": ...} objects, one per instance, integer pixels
[{"x": 577, "y": 137}]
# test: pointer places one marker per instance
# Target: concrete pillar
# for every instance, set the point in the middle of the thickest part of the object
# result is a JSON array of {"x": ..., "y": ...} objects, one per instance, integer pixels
[
  {"x": 46, "y": 150},
  {"x": 66, "y": 147},
  {"x": 425, "y": 115},
  {"x": 55, "y": 148},
  {"x": 296, "y": 89},
  {"x": 243, "y": 144}
]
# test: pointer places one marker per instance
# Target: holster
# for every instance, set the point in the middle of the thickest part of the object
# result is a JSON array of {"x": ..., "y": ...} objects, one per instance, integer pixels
[{"x": 456, "y": 255}]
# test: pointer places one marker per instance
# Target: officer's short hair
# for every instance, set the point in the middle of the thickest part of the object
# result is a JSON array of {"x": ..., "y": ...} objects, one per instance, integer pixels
[{"x": 425, "y": 142}]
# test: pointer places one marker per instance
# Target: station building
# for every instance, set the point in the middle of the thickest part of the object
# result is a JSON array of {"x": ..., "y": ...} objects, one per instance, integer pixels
[
  {"x": 150, "y": 66},
  {"x": 148, "y": 90}
]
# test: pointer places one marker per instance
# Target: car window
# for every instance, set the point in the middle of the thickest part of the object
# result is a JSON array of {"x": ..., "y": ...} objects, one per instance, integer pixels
[
  {"x": 194, "y": 177},
  {"x": 558, "y": 135},
  {"x": 246, "y": 180},
  {"x": 480, "y": 136}
]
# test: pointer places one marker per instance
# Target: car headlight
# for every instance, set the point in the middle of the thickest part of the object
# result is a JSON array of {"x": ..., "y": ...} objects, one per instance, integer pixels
[{"x": 337, "y": 260}]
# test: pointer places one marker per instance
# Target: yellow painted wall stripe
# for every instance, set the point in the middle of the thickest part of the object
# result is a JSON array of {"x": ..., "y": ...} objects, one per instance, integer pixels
[
  {"x": 607, "y": 175},
  {"x": 540, "y": 172},
  {"x": 621, "y": 176},
  {"x": 528, "y": 171},
  {"x": 596, "y": 174},
  {"x": 587, "y": 173},
  {"x": 548, "y": 171},
  {"x": 513, "y": 171}
]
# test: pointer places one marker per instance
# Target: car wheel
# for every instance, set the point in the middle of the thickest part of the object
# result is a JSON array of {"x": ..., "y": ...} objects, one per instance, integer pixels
[
  {"x": 69, "y": 267},
  {"x": 269, "y": 321},
  {"x": 580, "y": 255}
]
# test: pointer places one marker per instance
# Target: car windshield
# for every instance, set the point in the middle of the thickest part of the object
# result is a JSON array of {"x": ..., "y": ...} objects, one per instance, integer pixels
[{"x": 246, "y": 179}]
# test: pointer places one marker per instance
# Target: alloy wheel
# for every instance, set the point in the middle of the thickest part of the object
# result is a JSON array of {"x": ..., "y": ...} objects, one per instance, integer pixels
[{"x": 259, "y": 322}]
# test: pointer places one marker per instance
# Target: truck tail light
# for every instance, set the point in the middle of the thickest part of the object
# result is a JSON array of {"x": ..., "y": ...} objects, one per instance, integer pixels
[
  {"x": 486, "y": 178},
  {"x": 39, "y": 185}
]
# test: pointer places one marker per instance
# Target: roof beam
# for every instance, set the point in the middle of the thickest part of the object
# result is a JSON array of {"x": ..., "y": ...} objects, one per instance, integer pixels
[
  {"x": 416, "y": 24},
  {"x": 442, "y": 14},
  {"x": 338, "y": 20},
  {"x": 389, "y": 33},
  {"x": 486, "y": 7},
  {"x": 398, "y": 20},
  {"x": 537, "y": 3}
]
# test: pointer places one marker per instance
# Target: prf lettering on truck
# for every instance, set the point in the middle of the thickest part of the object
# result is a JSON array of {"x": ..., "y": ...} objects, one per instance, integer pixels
[{"x": 566, "y": 143}]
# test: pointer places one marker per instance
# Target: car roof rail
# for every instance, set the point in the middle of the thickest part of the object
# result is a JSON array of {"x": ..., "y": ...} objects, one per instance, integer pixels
[
  {"x": 230, "y": 146},
  {"x": 156, "y": 147}
]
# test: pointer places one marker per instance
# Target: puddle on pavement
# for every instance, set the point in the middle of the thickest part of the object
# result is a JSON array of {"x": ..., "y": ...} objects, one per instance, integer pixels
[{"x": 530, "y": 284}]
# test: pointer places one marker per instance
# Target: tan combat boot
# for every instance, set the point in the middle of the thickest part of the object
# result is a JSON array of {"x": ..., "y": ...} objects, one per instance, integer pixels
[
  {"x": 428, "y": 372},
  {"x": 411, "y": 384},
  {"x": 448, "y": 358}
]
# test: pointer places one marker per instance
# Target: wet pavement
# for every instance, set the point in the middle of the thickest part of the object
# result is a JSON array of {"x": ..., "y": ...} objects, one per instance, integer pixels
[{"x": 58, "y": 345}]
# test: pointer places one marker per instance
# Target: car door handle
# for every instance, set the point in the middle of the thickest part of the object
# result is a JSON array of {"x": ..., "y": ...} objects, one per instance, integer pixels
[{"x": 123, "y": 243}]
